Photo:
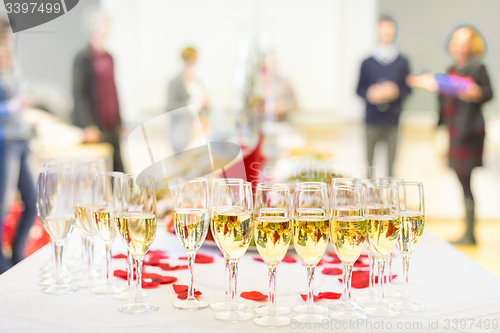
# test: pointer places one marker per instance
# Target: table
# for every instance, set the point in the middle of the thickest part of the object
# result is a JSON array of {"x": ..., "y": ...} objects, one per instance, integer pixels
[{"x": 448, "y": 283}]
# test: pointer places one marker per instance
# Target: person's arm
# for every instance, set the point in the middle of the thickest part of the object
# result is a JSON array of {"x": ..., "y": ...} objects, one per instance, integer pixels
[
  {"x": 404, "y": 89},
  {"x": 83, "y": 114},
  {"x": 484, "y": 83},
  {"x": 363, "y": 83}
]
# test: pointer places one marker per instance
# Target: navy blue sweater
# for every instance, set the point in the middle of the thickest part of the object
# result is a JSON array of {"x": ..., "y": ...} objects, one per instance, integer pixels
[{"x": 374, "y": 72}]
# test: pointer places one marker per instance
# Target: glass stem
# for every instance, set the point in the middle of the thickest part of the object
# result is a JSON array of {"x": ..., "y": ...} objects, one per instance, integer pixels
[
  {"x": 58, "y": 251},
  {"x": 108, "y": 263},
  {"x": 138, "y": 288},
  {"x": 191, "y": 257},
  {"x": 53, "y": 260},
  {"x": 373, "y": 262},
  {"x": 346, "y": 282},
  {"x": 272, "y": 290},
  {"x": 310, "y": 289},
  {"x": 84, "y": 250},
  {"x": 233, "y": 272},
  {"x": 130, "y": 273},
  {"x": 227, "y": 296},
  {"x": 90, "y": 250},
  {"x": 381, "y": 280},
  {"x": 406, "y": 268},
  {"x": 389, "y": 270}
]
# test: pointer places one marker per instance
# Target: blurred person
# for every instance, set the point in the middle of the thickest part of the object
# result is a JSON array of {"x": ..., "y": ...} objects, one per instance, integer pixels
[
  {"x": 96, "y": 107},
  {"x": 382, "y": 85},
  {"x": 15, "y": 134},
  {"x": 460, "y": 111},
  {"x": 278, "y": 93},
  {"x": 185, "y": 89}
]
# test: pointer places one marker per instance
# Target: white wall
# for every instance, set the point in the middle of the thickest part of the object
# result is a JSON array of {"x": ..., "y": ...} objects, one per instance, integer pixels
[{"x": 320, "y": 44}]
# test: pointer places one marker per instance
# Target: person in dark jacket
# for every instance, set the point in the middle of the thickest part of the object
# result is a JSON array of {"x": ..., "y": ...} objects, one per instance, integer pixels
[
  {"x": 382, "y": 85},
  {"x": 15, "y": 134},
  {"x": 462, "y": 113},
  {"x": 95, "y": 96}
]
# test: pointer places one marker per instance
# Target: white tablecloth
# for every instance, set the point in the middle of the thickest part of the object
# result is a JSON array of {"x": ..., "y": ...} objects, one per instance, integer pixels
[{"x": 449, "y": 284}]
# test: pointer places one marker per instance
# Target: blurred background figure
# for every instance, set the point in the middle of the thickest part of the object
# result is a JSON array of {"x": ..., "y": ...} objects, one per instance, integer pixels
[
  {"x": 15, "y": 134},
  {"x": 185, "y": 89},
  {"x": 460, "y": 110},
  {"x": 96, "y": 107},
  {"x": 382, "y": 85},
  {"x": 279, "y": 97}
]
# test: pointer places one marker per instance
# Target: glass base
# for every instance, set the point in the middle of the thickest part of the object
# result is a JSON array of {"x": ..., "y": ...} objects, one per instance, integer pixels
[
  {"x": 392, "y": 293},
  {"x": 367, "y": 300},
  {"x": 342, "y": 305},
  {"x": 91, "y": 283},
  {"x": 226, "y": 306},
  {"x": 51, "y": 281},
  {"x": 278, "y": 310},
  {"x": 304, "y": 308},
  {"x": 311, "y": 318},
  {"x": 139, "y": 308},
  {"x": 190, "y": 305},
  {"x": 60, "y": 289},
  {"x": 233, "y": 316},
  {"x": 380, "y": 312},
  {"x": 407, "y": 306},
  {"x": 128, "y": 295},
  {"x": 272, "y": 321},
  {"x": 347, "y": 315},
  {"x": 107, "y": 289}
]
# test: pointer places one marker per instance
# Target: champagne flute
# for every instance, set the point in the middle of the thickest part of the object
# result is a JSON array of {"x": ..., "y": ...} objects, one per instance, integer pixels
[
  {"x": 272, "y": 233},
  {"x": 349, "y": 235},
  {"x": 412, "y": 211},
  {"x": 191, "y": 220},
  {"x": 83, "y": 214},
  {"x": 224, "y": 305},
  {"x": 233, "y": 227},
  {"x": 383, "y": 232},
  {"x": 311, "y": 228},
  {"x": 137, "y": 226},
  {"x": 107, "y": 192},
  {"x": 55, "y": 200}
]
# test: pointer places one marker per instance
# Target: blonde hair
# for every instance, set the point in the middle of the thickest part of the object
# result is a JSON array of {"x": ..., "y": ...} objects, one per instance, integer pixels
[
  {"x": 188, "y": 53},
  {"x": 477, "y": 44}
]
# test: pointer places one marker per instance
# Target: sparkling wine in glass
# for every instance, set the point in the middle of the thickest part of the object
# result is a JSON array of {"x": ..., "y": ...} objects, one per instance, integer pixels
[
  {"x": 224, "y": 305},
  {"x": 412, "y": 212},
  {"x": 233, "y": 228},
  {"x": 55, "y": 200},
  {"x": 137, "y": 227},
  {"x": 191, "y": 221},
  {"x": 107, "y": 195},
  {"x": 83, "y": 211},
  {"x": 272, "y": 234},
  {"x": 349, "y": 235},
  {"x": 383, "y": 232},
  {"x": 311, "y": 228}
]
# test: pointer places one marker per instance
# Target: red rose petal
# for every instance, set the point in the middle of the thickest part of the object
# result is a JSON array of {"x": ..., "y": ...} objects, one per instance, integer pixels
[
  {"x": 331, "y": 271},
  {"x": 168, "y": 267},
  {"x": 335, "y": 258},
  {"x": 120, "y": 256},
  {"x": 359, "y": 283},
  {"x": 185, "y": 295},
  {"x": 167, "y": 279},
  {"x": 180, "y": 288},
  {"x": 152, "y": 261},
  {"x": 253, "y": 295},
  {"x": 157, "y": 253},
  {"x": 321, "y": 262},
  {"x": 304, "y": 297},
  {"x": 201, "y": 259},
  {"x": 363, "y": 256},
  {"x": 329, "y": 295},
  {"x": 289, "y": 259},
  {"x": 121, "y": 274},
  {"x": 258, "y": 259},
  {"x": 149, "y": 285},
  {"x": 361, "y": 264}
]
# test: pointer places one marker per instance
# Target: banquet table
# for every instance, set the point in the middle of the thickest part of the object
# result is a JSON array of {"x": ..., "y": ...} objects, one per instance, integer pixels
[{"x": 449, "y": 284}]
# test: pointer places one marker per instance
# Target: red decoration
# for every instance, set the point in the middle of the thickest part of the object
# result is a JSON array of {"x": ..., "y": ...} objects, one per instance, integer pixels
[
  {"x": 182, "y": 291},
  {"x": 289, "y": 259},
  {"x": 324, "y": 294},
  {"x": 331, "y": 271},
  {"x": 253, "y": 295},
  {"x": 168, "y": 267},
  {"x": 258, "y": 259},
  {"x": 120, "y": 256},
  {"x": 201, "y": 259}
]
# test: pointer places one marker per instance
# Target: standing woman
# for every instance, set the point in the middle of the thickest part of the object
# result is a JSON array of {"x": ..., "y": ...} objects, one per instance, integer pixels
[{"x": 460, "y": 110}]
